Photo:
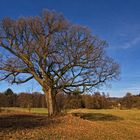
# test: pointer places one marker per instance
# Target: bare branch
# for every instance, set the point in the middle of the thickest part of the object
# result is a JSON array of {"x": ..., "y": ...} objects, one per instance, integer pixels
[
  {"x": 6, "y": 76},
  {"x": 19, "y": 81}
]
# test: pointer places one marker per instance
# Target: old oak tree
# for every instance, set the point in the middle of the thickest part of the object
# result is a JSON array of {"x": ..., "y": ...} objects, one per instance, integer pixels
[{"x": 59, "y": 55}]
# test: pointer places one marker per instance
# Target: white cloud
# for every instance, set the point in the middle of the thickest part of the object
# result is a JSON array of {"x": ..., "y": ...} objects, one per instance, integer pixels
[
  {"x": 125, "y": 36},
  {"x": 131, "y": 43}
]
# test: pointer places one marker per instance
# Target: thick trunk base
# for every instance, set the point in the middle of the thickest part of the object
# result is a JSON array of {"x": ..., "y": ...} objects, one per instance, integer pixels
[{"x": 51, "y": 102}]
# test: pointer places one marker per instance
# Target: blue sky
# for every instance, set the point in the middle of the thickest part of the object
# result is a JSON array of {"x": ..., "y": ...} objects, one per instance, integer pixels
[{"x": 116, "y": 21}]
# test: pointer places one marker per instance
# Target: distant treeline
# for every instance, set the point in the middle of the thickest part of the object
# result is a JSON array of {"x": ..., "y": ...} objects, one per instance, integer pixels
[
  {"x": 10, "y": 99},
  {"x": 72, "y": 101}
]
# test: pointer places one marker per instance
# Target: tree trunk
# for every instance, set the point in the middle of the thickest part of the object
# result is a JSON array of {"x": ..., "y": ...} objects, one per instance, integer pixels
[{"x": 51, "y": 102}]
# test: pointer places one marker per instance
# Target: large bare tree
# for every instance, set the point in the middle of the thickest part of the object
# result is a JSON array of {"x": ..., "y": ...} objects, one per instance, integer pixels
[{"x": 59, "y": 55}]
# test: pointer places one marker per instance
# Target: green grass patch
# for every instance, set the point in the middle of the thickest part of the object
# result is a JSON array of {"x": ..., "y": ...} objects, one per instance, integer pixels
[{"x": 27, "y": 110}]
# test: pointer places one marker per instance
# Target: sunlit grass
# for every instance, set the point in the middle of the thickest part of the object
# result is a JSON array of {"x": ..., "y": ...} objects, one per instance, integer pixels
[
  {"x": 105, "y": 124},
  {"x": 27, "y": 110},
  {"x": 133, "y": 114}
]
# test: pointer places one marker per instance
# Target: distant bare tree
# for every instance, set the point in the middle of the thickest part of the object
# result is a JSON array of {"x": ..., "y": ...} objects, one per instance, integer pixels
[{"x": 57, "y": 54}]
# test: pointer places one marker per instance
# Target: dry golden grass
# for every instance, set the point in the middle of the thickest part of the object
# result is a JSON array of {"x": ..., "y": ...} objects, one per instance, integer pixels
[{"x": 93, "y": 125}]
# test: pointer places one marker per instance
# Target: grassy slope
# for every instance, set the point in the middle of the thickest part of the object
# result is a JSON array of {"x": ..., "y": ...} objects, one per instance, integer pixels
[{"x": 95, "y": 125}]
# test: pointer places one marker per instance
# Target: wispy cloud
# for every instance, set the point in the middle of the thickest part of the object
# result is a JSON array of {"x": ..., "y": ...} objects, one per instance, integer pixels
[
  {"x": 131, "y": 43},
  {"x": 125, "y": 36},
  {"x": 133, "y": 90}
]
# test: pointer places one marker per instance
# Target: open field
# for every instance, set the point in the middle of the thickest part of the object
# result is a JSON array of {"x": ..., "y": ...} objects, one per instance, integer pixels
[
  {"x": 26, "y": 110},
  {"x": 80, "y": 124}
]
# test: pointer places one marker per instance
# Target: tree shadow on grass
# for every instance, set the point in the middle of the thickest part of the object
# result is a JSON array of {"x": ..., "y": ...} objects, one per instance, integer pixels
[
  {"x": 98, "y": 116},
  {"x": 24, "y": 121}
]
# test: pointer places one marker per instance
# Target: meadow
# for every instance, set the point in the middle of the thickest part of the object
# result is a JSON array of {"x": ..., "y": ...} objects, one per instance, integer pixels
[{"x": 76, "y": 124}]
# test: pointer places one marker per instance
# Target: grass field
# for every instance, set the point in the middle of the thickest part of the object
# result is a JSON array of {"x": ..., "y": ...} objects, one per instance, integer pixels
[
  {"x": 26, "y": 110},
  {"x": 80, "y": 124}
]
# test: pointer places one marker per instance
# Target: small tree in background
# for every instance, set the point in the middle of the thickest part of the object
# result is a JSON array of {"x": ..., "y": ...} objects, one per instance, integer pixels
[{"x": 10, "y": 97}]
